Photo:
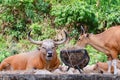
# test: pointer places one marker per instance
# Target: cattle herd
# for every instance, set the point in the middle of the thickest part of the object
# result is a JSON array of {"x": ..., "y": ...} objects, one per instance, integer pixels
[{"x": 44, "y": 60}]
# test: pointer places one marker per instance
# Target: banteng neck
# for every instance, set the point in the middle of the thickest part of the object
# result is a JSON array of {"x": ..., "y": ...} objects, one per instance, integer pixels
[{"x": 97, "y": 42}]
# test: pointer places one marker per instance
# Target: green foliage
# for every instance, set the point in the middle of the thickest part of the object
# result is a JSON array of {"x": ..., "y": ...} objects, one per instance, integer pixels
[
  {"x": 10, "y": 47},
  {"x": 18, "y": 17},
  {"x": 96, "y": 56},
  {"x": 78, "y": 12},
  {"x": 108, "y": 13},
  {"x": 19, "y": 14},
  {"x": 114, "y": 17},
  {"x": 3, "y": 49},
  {"x": 43, "y": 32},
  {"x": 97, "y": 15}
]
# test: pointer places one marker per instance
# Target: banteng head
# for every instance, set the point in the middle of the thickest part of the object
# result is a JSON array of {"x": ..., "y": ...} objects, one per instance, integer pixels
[
  {"x": 48, "y": 46},
  {"x": 83, "y": 39}
]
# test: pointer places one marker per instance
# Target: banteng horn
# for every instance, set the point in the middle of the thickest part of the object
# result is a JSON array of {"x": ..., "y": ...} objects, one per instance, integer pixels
[
  {"x": 33, "y": 41},
  {"x": 64, "y": 39},
  {"x": 82, "y": 30}
]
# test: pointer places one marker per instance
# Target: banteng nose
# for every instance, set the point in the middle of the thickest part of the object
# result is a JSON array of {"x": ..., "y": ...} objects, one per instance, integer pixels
[{"x": 49, "y": 54}]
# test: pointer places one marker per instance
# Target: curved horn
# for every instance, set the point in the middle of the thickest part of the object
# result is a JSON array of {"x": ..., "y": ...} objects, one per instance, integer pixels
[
  {"x": 82, "y": 30},
  {"x": 65, "y": 38},
  {"x": 33, "y": 41}
]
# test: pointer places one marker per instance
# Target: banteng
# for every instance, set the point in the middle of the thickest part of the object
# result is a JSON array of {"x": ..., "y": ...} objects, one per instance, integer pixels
[
  {"x": 107, "y": 42},
  {"x": 43, "y": 58}
]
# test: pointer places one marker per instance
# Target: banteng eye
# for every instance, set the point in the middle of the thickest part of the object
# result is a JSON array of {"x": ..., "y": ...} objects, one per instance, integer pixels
[
  {"x": 79, "y": 39},
  {"x": 53, "y": 47},
  {"x": 43, "y": 47}
]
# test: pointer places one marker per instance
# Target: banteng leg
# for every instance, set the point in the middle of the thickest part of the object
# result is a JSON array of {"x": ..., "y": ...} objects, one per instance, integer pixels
[
  {"x": 114, "y": 64},
  {"x": 114, "y": 61},
  {"x": 109, "y": 63},
  {"x": 109, "y": 66}
]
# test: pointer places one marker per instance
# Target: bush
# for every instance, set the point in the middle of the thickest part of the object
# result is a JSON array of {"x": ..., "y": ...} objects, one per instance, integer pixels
[
  {"x": 108, "y": 14},
  {"x": 43, "y": 32},
  {"x": 78, "y": 12},
  {"x": 17, "y": 15},
  {"x": 3, "y": 48},
  {"x": 96, "y": 15}
]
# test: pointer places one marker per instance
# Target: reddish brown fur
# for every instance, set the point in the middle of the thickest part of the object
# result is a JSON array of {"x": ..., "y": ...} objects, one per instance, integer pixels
[
  {"x": 111, "y": 41},
  {"x": 102, "y": 67},
  {"x": 43, "y": 58},
  {"x": 107, "y": 41},
  {"x": 30, "y": 60}
]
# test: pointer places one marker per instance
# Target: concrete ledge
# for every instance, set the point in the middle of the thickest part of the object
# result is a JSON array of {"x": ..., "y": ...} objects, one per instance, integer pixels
[{"x": 59, "y": 77}]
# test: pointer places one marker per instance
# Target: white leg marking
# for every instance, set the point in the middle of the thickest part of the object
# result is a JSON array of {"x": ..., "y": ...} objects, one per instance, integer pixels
[
  {"x": 109, "y": 66},
  {"x": 114, "y": 64}
]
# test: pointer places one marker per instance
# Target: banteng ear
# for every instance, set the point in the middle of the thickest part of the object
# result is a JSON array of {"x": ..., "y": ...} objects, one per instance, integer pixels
[
  {"x": 38, "y": 48},
  {"x": 87, "y": 35}
]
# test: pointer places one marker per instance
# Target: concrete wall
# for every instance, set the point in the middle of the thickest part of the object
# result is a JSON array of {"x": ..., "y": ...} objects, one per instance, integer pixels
[{"x": 59, "y": 77}]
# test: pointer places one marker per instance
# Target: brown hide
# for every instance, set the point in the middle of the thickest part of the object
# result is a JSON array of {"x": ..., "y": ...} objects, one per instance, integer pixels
[
  {"x": 107, "y": 41},
  {"x": 30, "y": 60},
  {"x": 102, "y": 67},
  {"x": 43, "y": 58}
]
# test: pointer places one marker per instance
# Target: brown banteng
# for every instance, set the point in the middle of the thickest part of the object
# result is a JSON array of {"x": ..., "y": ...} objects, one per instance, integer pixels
[
  {"x": 107, "y": 42},
  {"x": 43, "y": 58},
  {"x": 102, "y": 67}
]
